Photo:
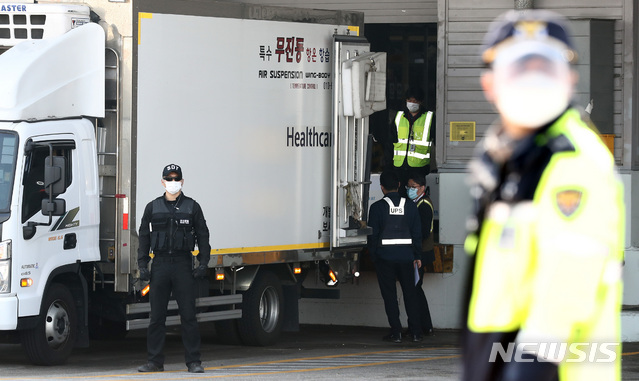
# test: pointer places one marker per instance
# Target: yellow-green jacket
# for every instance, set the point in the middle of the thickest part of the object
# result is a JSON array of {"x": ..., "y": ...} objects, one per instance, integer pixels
[
  {"x": 413, "y": 142},
  {"x": 548, "y": 249}
]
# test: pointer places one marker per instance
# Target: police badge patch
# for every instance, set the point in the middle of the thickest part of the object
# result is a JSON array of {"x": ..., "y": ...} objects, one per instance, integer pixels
[{"x": 568, "y": 201}]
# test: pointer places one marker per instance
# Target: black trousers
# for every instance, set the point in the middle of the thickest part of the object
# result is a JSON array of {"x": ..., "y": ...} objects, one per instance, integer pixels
[
  {"x": 478, "y": 366},
  {"x": 424, "y": 312},
  {"x": 388, "y": 273},
  {"x": 172, "y": 274},
  {"x": 534, "y": 370}
]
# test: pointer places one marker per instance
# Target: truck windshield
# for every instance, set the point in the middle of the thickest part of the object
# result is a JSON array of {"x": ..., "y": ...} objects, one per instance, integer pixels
[{"x": 8, "y": 154}]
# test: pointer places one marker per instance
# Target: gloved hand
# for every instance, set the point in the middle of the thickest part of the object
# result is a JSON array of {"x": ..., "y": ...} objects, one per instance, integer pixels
[
  {"x": 199, "y": 272},
  {"x": 145, "y": 274}
]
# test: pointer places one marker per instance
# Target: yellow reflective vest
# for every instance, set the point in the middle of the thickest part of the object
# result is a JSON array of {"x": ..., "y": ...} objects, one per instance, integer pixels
[
  {"x": 548, "y": 266},
  {"x": 413, "y": 144}
]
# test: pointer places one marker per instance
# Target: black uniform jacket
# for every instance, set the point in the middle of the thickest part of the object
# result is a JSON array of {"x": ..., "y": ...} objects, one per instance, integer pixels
[
  {"x": 198, "y": 223},
  {"x": 379, "y": 215}
]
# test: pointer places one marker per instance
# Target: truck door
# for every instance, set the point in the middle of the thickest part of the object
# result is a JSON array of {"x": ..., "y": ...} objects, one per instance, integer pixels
[
  {"x": 359, "y": 87},
  {"x": 52, "y": 234}
]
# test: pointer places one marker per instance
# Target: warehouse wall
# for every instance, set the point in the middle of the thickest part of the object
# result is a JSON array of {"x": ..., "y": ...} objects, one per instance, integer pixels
[{"x": 462, "y": 24}]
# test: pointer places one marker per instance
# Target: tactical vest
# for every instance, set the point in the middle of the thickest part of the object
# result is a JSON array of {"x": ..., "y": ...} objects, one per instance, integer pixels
[
  {"x": 172, "y": 228},
  {"x": 428, "y": 244},
  {"x": 414, "y": 145},
  {"x": 395, "y": 230}
]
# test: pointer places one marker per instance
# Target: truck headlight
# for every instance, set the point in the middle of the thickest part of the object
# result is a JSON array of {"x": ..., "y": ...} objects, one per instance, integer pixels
[
  {"x": 5, "y": 250},
  {"x": 5, "y": 266},
  {"x": 5, "y": 278}
]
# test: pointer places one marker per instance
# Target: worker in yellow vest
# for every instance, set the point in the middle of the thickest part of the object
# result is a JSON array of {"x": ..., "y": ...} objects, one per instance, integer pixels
[
  {"x": 411, "y": 151},
  {"x": 547, "y": 237}
]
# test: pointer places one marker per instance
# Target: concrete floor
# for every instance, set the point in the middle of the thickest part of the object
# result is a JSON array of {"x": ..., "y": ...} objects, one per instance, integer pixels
[{"x": 314, "y": 353}]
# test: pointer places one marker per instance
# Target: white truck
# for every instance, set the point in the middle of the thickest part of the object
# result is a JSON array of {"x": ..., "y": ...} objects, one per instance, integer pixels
[{"x": 264, "y": 108}]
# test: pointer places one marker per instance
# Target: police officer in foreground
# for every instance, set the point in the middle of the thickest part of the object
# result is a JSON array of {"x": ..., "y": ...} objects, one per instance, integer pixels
[
  {"x": 395, "y": 248},
  {"x": 418, "y": 192},
  {"x": 177, "y": 225},
  {"x": 547, "y": 236}
]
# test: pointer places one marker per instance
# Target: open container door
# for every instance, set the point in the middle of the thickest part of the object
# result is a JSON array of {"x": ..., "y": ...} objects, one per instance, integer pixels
[{"x": 359, "y": 88}]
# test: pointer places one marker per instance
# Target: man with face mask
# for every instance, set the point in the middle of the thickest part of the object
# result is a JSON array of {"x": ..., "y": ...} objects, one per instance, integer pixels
[
  {"x": 546, "y": 239},
  {"x": 177, "y": 224},
  {"x": 411, "y": 151},
  {"x": 395, "y": 248},
  {"x": 418, "y": 192}
]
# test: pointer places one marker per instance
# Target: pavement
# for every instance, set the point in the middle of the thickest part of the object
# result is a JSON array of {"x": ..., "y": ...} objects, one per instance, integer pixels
[{"x": 314, "y": 353}]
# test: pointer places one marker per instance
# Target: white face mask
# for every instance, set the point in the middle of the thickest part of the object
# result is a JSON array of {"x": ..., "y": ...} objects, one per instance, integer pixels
[
  {"x": 412, "y": 107},
  {"x": 173, "y": 187},
  {"x": 532, "y": 99}
]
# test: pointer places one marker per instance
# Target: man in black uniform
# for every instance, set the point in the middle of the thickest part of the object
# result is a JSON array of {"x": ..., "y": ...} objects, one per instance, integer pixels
[
  {"x": 395, "y": 248},
  {"x": 417, "y": 191},
  {"x": 177, "y": 224}
]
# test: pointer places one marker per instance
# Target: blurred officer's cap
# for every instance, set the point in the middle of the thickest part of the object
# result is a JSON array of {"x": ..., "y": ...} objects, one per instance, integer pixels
[{"x": 523, "y": 33}]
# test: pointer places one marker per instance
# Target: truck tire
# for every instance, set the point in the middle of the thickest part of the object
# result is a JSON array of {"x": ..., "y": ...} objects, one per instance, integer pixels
[
  {"x": 50, "y": 342},
  {"x": 262, "y": 311}
]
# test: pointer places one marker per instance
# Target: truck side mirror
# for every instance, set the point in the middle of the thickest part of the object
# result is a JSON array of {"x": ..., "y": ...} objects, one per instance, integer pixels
[
  {"x": 57, "y": 207},
  {"x": 54, "y": 185},
  {"x": 29, "y": 231},
  {"x": 54, "y": 175}
]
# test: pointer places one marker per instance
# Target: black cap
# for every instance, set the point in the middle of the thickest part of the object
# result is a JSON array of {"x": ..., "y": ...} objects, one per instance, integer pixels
[
  {"x": 538, "y": 27},
  {"x": 171, "y": 168}
]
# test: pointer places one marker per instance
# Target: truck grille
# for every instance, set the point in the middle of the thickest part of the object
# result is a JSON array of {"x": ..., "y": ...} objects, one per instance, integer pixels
[
  {"x": 22, "y": 22},
  {"x": 22, "y": 27}
]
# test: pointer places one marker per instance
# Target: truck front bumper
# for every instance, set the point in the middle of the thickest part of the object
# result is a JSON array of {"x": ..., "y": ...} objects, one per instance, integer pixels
[{"x": 8, "y": 313}]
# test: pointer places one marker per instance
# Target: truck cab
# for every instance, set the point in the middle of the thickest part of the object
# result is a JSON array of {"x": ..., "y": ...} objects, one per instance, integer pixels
[{"x": 48, "y": 183}]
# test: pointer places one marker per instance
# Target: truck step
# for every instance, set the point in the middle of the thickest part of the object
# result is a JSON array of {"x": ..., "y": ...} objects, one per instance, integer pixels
[
  {"x": 175, "y": 320},
  {"x": 145, "y": 308}
]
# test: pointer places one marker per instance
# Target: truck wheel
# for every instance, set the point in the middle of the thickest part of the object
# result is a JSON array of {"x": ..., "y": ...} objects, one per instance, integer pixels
[
  {"x": 262, "y": 311},
  {"x": 54, "y": 336}
]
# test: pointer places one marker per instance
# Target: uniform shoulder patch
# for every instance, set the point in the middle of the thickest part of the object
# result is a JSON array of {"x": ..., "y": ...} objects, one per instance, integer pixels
[{"x": 568, "y": 201}]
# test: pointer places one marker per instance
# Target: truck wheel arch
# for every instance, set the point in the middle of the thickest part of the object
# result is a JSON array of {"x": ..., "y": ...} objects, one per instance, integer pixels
[{"x": 244, "y": 278}]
